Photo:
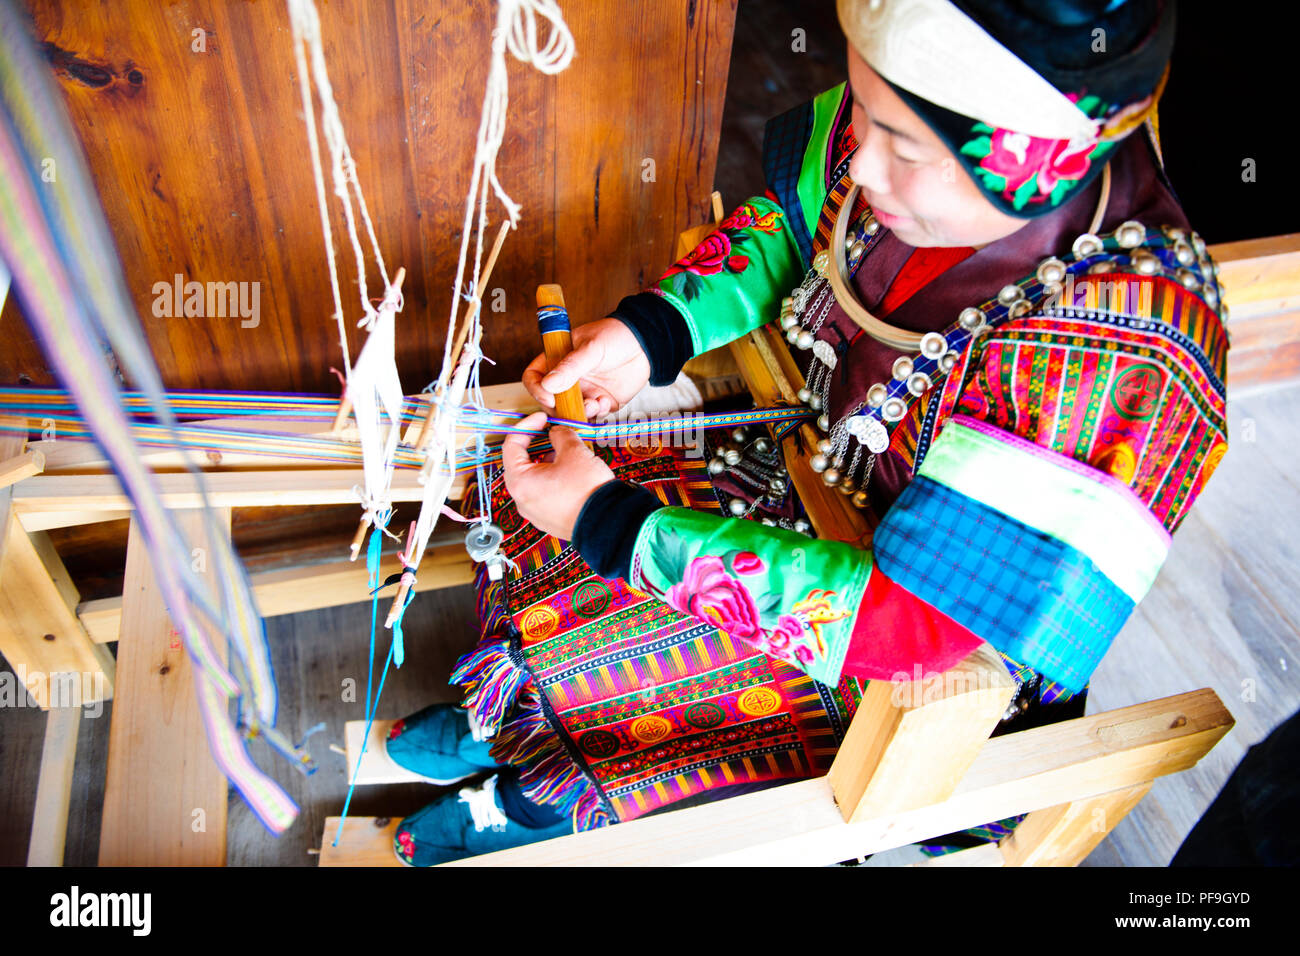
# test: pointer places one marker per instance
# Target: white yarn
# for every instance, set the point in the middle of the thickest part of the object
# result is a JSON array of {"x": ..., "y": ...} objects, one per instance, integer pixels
[
  {"x": 372, "y": 385},
  {"x": 516, "y": 31}
]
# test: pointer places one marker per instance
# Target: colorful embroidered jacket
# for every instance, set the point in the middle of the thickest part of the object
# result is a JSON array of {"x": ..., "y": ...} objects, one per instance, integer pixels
[{"x": 1027, "y": 496}]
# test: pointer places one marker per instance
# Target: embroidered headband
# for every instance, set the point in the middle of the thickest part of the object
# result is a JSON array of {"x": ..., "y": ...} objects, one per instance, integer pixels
[{"x": 1031, "y": 98}]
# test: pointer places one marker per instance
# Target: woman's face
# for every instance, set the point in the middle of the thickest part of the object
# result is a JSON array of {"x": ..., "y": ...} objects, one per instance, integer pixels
[{"x": 915, "y": 185}]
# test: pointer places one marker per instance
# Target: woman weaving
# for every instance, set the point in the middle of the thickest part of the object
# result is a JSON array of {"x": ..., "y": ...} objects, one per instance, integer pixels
[{"x": 1015, "y": 344}]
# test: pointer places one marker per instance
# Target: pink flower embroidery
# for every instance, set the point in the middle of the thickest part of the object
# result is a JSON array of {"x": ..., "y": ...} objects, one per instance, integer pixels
[
  {"x": 709, "y": 593},
  {"x": 706, "y": 259},
  {"x": 1018, "y": 157}
]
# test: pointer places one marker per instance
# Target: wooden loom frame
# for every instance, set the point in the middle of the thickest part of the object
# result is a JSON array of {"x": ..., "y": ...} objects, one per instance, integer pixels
[{"x": 917, "y": 762}]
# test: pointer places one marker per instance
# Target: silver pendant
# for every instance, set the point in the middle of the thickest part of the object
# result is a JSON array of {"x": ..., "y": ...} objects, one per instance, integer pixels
[{"x": 870, "y": 432}]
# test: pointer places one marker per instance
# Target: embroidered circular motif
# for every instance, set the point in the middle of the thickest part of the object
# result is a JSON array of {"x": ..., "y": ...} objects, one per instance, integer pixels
[
  {"x": 704, "y": 715},
  {"x": 591, "y": 598},
  {"x": 1120, "y": 462},
  {"x": 1137, "y": 392},
  {"x": 539, "y": 622},
  {"x": 650, "y": 729},
  {"x": 599, "y": 744},
  {"x": 758, "y": 701}
]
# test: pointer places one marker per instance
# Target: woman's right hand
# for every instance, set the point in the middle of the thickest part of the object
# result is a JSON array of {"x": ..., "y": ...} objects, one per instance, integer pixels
[{"x": 607, "y": 361}]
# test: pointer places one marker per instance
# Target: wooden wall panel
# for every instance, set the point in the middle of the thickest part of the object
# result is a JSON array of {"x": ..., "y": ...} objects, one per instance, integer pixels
[{"x": 200, "y": 160}]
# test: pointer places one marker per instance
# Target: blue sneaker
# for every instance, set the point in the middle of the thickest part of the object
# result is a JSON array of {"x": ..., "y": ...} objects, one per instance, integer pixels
[
  {"x": 442, "y": 743},
  {"x": 466, "y": 824}
]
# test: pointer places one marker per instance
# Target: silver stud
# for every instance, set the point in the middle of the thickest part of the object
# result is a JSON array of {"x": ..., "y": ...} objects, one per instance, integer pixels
[
  {"x": 802, "y": 526},
  {"x": 902, "y": 367},
  {"x": 768, "y": 521},
  {"x": 821, "y": 261},
  {"x": 1188, "y": 278},
  {"x": 1051, "y": 270},
  {"x": 872, "y": 227},
  {"x": 737, "y": 506},
  {"x": 792, "y": 333},
  {"x": 1010, "y": 293},
  {"x": 860, "y": 499},
  {"x": 893, "y": 410},
  {"x": 831, "y": 476},
  {"x": 1145, "y": 263},
  {"x": 804, "y": 339},
  {"x": 815, "y": 402},
  {"x": 739, "y": 434},
  {"x": 876, "y": 395},
  {"x": 732, "y": 456},
  {"x": 1087, "y": 245},
  {"x": 947, "y": 361},
  {"x": 823, "y": 422},
  {"x": 804, "y": 394},
  {"x": 1020, "y": 307},
  {"x": 1198, "y": 244},
  {"x": 918, "y": 383},
  {"x": 1223, "y": 311},
  {"x": 762, "y": 445},
  {"x": 933, "y": 345},
  {"x": 717, "y": 466},
  {"x": 1130, "y": 234},
  {"x": 819, "y": 462},
  {"x": 1173, "y": 234},
  {"x": 777, "y": 486},
  {"x": 1097, "y": 268},
  {"x": 824, "y": 446},
  {"x": 1211, "y": 297},
  {"x": 788, "y": 321},
  {"x": 857, "y": 249},
  {"x": 1184, "y": 254},
  {"x": 970, "y": 319},
  {"x": 846, "y": 487},
  {"x": 787, "y": 302}
]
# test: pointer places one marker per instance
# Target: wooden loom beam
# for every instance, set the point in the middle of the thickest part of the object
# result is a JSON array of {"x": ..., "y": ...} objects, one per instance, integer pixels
[{"x": 799, "y": 824}]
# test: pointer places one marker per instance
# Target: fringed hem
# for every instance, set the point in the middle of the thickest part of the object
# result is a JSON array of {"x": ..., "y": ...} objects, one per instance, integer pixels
[{"x": 504, "y": 699}]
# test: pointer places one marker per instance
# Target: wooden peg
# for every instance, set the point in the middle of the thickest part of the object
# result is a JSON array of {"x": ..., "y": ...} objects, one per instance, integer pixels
[
  {"x": 408, "y": 579},
  {"x": 359, "y": 538},
  {"x": 557, "y": 342},
  {"x": 717, "y": 207}
]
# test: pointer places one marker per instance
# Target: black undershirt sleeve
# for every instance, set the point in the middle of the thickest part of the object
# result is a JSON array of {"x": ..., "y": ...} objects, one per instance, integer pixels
[
  {"x": 662, "y": 332},
  {"x": 606, "y": 529}
]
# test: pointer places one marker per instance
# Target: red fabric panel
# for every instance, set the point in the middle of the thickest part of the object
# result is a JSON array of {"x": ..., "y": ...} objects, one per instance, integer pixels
[
  {"x": 922, "y": 266},
  {"x": 896, "y": 632}
]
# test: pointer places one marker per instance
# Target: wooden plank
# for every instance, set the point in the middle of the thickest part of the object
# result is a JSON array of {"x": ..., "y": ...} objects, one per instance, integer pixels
[
  {"x": 54, "y": 788},
  {"x": 22, "y": 466},
  {"x": 366, "y": 841},
  {"x": 375, "y": 766},
  {"x": 241, "y": 489},
  {"x": 1259, "y": 275},
  {"x": 799, "y": 824},
  {"x": 990, "y": 854},
  {"x": 1063, "y": 835},
  {"x": 910, "y": 743},
  {"x": 35, "y": 521},
  {"x": 164, "y": 796},
  {"x": 40, "y": 635},
  {"x": 294, "y": 590}
]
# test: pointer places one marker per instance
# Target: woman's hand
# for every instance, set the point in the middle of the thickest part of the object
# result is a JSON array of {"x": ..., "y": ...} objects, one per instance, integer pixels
[
  {"x": 607, "y": 361},
  {"x": 550, "y": 494}
]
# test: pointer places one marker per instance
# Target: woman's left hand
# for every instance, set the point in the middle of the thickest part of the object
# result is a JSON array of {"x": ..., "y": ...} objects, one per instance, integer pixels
[{"x": 550, "y": 494}]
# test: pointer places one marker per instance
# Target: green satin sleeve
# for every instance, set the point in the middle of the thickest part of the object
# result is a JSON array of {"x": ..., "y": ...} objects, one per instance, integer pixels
[
  {"x": 734, "y": 281},
  {"x": 790, "y": 596}
]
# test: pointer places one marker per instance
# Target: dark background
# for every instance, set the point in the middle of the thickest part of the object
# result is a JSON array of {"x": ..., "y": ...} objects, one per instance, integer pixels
[{"x": 1230, "y": 97}]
